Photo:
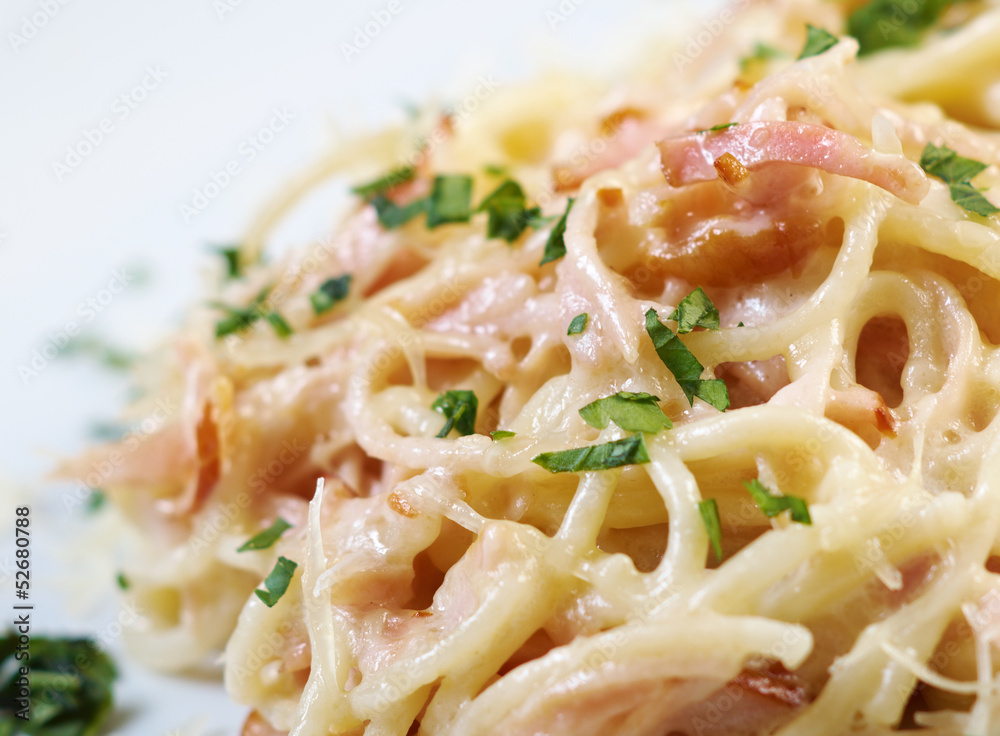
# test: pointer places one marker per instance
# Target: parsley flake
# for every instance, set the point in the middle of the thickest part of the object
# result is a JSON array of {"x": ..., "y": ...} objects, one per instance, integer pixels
[
  {"x": 70, "y": 693},
  {"x": 633, "y": 412},
  {"x": 241, "y": 319},
  {"x": 818, "y": 40},
  {"x": 459, "y": 409},
  {"x": 773, "y": 505},
  {"x": 277, "y": 582},
  {"x": 956, "y": 171},
  {"x": 123, "y": 581},
  {"x": 684, "y": 366},
  {"x": 761, "y": 52},
  {"x": 555, "y": 246},
  {"x": 628, "y": 451},
  {"x": 384, "y": 183},
  {"x": 232, "y": 257},
  {"x": 266, "y": 538},
  {"x": 330, "y": 293},
  {"x": 714, "y": 128},
  {"x": 578, "y": 324},
  {"x": 450, "y": 200},
  {"x": 695, "y": 310},
  {"x": 882, "y": 24},
  {"x": 501, "y": 434},
  {"x": 709, "y": 511},
  {"x": 509, "y": 215}
]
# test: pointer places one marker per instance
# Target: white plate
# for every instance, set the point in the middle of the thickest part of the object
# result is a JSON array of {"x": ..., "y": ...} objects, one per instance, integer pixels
[{"x": 115, "y": 114}]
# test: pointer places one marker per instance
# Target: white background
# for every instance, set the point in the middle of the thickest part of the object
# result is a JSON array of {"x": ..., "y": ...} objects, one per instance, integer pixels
[{"x": 215, "y": 72}]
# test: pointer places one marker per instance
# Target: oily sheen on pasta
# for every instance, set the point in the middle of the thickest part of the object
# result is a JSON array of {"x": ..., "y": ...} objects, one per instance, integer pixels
[{"x": 812, "y": 555}]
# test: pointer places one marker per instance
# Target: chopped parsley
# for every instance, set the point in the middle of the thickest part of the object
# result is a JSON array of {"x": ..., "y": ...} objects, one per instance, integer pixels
[
  {"x": 695, "y": 310},
  {"x": 709, "y": 511},
  {"x": 123, "y": 582},
  {"x": 501, "y": 434},
  {"x": 277, "y": 582},
  {"x": 633, "y": 412},
  {"x": 495, "y": 170},
  {"x": 450, "y": 200},
  {"x": 232, "y": 257},
  {"x": 509, "y": 215},
  {"x": 70, "y": 690},
  {"x": 96, "y": 501},
  {"x": 241, "y": 319},
  {"x": 555, "y": 246},
  {"x": 578, "y": 324},
  {"x": 957, "y": 171},
  {"x": 330, "y": 293},
  {"x": 385, "y": 182},
  {"x": 714, "y": 128},
  {"x": 773, "y": 505},
  {"x": 761, "y": 52},
  {"x": 684, "y": 366},
  {"x": 818, "y": 40},
  {"x": 459, "y": 409},
  {"x": 391, "y": 215},
  {"x": 615, "y": 454},
  {"x": 882, "y": 24},
  {"x": 971, "y": 199},
  {"x": 266, "y": 538}
]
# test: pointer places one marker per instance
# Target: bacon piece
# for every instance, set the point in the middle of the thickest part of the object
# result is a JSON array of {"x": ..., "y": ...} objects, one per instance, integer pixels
[
  {"x": 621, "y": 139},
  {"x": 862, "y": 411},
  {"x": 692, "y": 158}
]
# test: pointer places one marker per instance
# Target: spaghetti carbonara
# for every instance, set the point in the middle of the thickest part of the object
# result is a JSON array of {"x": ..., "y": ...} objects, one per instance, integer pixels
[{"x": 666, "y": 408}]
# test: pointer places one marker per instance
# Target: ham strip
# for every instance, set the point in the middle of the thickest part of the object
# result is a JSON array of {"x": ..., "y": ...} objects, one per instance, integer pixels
[{"x": 692, "y": 158}]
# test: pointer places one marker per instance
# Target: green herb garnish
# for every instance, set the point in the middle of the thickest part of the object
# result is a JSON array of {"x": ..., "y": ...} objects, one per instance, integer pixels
[
  {"x": 761, "y": 52},
  {"x": 882, "y": 24},
  {"x": 709, "y": 511},
  {"x": 633, "y": 412},
  {"x": 241, "y": 319},
  {"x": 714, "y": 128},
  {"x": 330, "y": 293},
  {"x": 450, "y": 200},
  {"x": 555, "y": 246},
  {"x": 266, "y": 538},
  {"x": 818, "y": 40},
  {"x": 695, "y": 310},
  {"x": 596, "y": 457},
  {"x": 459, "y": 409},
  {"x": 501, "y": 434},
  {"x": 578, "y": 324},
  {"x": 96, "y": 501},
  {"x": 70, "y": 686},
  {"x": 232, "y": 257},
  {"x": 773, "y": 505},
  {"x": 277, "y": 582},
  {"x": 684, "y": 366},
  {"x": 384, "y": 183},
  {"x": 956, "y": 171},
  {"x": 391, "y": 215},
  {"x": 509, "y": 215},
  {"x": 123, "y": 582}
]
